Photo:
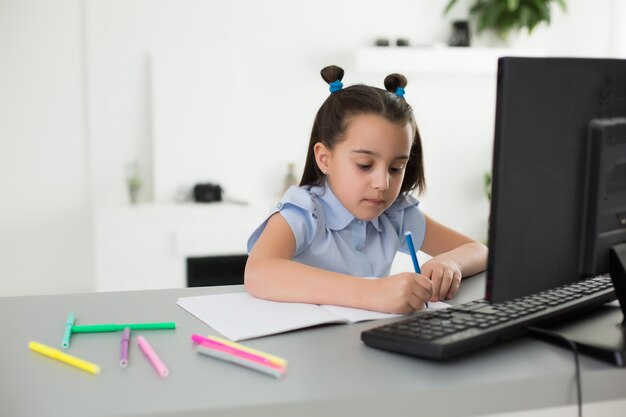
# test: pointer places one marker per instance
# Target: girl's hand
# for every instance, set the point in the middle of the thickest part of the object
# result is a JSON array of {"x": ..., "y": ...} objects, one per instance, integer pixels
[
  {"x": 401, "y": 293},
  {"x": 445, "y": 275}
]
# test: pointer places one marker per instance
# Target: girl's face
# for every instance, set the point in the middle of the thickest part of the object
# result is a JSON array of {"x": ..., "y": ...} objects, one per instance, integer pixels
[{"x": 365, "y": 170}]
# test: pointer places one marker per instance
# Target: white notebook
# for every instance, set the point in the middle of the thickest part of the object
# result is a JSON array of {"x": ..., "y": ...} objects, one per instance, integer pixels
[{"x": 240, "y": 316}]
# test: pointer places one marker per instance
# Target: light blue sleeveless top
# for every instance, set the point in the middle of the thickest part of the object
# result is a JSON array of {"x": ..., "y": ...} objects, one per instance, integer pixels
[{"x": 328, "y": 236}]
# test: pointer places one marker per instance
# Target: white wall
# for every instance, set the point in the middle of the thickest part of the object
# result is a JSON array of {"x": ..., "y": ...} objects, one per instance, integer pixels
[
  {"x": 617, "y": 40},
  {"x": 45, "y": 226},
  {"x": 67, "y": 132},
  {"x": 260, "y": 61}
]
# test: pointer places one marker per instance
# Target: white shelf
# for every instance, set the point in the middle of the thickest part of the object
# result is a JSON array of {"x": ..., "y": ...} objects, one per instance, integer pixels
[
  {"x": 440, "y": 60},
  {"x": 145, "y": 246}
]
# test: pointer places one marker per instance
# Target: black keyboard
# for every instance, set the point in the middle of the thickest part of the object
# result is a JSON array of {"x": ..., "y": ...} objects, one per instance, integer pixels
[{"x": 442, "y": 334}]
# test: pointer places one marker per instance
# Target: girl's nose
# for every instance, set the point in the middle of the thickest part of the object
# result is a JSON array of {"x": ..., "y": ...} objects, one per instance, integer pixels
[{"x": 380, "y": 181}]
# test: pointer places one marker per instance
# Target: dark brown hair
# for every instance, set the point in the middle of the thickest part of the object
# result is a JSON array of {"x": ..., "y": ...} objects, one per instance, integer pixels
[{"x": 332, "y": 118}]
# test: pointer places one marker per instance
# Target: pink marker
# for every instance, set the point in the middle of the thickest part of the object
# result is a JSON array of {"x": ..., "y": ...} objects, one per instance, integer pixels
[
  {"x": 213, "y": 344},
  {"x": 156, "y": 362}
]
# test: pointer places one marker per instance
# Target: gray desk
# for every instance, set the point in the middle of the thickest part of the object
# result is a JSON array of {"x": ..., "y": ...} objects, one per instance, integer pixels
[{"x": 331, "y": 372}]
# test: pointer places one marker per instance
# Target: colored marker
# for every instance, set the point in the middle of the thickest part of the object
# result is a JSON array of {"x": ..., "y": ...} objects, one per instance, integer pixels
[
  {"x": 227, "y": 357},
  {"x": 242, "y": 355},
  {"x": 275, "y": 359},
  {"x": 154, "y": 359},
  {"x": 97, "y": 328},
  {"x": 124, "y": 351},
  {"x": 409, "y": 241},
  {"x": 234, "y": 351},
  {"x": 68, "y": 330},
  {"x": 64, "y": 357}
]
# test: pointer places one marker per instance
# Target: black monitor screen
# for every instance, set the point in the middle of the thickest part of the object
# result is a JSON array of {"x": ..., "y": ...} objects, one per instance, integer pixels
[{"x": 544, "y": 113}]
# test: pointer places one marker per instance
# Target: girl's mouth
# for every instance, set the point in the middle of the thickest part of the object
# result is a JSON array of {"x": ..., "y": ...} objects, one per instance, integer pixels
[{"x": 375, "y": 202}]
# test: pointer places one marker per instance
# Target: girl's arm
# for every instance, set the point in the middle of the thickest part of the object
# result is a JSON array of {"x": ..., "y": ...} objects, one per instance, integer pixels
[
  {"x": 454, "y": 256},
  {"x": 272, "y": 274}
]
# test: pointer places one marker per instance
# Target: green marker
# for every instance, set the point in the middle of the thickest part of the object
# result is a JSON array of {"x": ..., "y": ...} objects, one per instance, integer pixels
[
  {"x": 69, "y": 324},
  {"x": 99, "y": 328}
]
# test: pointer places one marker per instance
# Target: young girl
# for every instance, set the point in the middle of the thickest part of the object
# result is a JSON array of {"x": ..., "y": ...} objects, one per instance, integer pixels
[{"x": 348, "y": 218}]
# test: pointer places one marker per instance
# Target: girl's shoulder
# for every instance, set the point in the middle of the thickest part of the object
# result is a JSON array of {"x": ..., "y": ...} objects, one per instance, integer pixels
[
  {"x": 299, "y": 191},
  {"x": 404, "y": 215},
  {"x": 403, "y": 202},
  {"x": 301, "y": 208},
  {"x": 302, "y": 197},
  {"x": 305, "y": 203}
]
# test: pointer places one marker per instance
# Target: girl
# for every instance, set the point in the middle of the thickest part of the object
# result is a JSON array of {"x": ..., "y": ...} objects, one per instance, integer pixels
[{"x": 347, "y": 219}]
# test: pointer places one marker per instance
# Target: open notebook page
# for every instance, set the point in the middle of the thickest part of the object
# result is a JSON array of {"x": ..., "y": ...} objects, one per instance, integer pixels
[{"x": 239, "y": 316}]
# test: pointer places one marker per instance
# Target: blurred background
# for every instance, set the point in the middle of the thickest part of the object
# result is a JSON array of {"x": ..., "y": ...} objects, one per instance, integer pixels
[{"x": 111, "y": 111}]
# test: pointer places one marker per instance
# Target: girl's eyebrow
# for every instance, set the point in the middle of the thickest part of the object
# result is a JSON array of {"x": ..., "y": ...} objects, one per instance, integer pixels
[{"x": 372, "y": 153}]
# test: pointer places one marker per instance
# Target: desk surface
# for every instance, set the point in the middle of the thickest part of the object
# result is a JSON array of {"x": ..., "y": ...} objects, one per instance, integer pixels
[{"x": 330, "y": 370}]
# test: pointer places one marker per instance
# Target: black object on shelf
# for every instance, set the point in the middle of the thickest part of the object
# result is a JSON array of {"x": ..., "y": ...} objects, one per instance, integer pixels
[
  {"x": 207, "y": 193},
  {"x": 382, "y": 42},
  {"x": 402, "y": 42},
  {"x": 460, "y": 33}
]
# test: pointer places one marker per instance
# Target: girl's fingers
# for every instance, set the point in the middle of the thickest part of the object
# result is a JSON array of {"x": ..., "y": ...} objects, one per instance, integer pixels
[
  {"x": 456, "y": 283},
  {"x": 422, "y": 290},
  {"x": 416, "y": 303},
  {"x": 446, "y": 283},
  {"x": 436, "y": 277}
]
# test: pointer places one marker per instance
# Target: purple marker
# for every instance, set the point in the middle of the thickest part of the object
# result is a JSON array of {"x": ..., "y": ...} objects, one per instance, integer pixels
[{"x": 125, "y": 343}]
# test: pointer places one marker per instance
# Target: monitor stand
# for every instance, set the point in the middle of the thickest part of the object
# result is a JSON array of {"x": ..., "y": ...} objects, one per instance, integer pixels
[{"x": 602, "y": 332}]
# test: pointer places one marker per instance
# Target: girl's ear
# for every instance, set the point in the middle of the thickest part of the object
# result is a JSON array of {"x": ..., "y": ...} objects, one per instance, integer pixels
[{"x": 322, "y": 156}]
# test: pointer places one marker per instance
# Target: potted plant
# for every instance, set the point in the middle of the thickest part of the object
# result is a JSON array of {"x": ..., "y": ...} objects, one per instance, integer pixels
[
  {"x": 505, "y": 16},
  {"x": 133, "y": 181}
]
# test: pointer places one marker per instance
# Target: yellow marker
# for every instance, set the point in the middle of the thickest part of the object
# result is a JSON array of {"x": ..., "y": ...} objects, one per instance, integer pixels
[
  {"x": 64, "y": 357},
  {"x": 275, "y": 359}
]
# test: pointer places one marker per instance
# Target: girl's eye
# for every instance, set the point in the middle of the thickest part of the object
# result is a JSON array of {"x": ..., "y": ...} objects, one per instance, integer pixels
[
  {"x": 396, "y": 170},
  {"x": 364, "y": 167}
]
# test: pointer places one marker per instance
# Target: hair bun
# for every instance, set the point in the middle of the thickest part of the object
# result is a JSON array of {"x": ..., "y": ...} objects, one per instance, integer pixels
[
  {"x": 395, "y": 81},
  {"x": 332, "y": 73}
]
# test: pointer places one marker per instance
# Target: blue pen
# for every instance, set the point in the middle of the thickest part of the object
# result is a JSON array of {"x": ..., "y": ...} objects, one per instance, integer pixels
[
  {"x": 409, "y": 241},
  {"x": 68, "y": 330}
]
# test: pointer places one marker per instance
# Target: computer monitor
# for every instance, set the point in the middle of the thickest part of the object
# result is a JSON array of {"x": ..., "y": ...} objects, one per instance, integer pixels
[{"x": 558, "y": 203}]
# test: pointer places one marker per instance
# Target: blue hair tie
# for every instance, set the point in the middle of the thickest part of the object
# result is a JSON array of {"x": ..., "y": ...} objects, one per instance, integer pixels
[
  {"x": 336, "y": 86},
  {"x": 400, "y": 92}
]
